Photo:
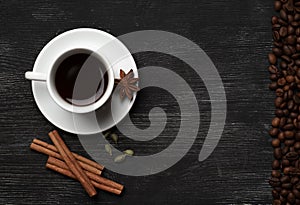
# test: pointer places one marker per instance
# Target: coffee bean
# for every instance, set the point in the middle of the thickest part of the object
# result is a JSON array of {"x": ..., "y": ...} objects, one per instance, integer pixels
[
  {"x": 281, "y": 136},
  {"x": 273, "y": 132},
  {"x": 274, "y": 182},
  {"x": 297, "y": 145},
  {"x": 295, "y": 24},
  {"x": 290, "y": 94},
  {"x": 294, "y": 180},
  {"x": 296, "y": 56},
  {"x": 276, "y": 36},
  {"x": 288, "y": 127},
  {"x": 275, "y": 122},
  {"x": 277, "y": 202},
  {"x": 283, "y": 200},
  {"x": 277, "y": 51},
  {"x": 272, "y": 58},
  {"x": 283, "y": 15},
  {"x": 292, "y": 156},
  {"x": 298, "y": 72},
  {"x": 282, "y": 122},
  {"x": 285, "y": 179},
  {"x": 290, "y": 70},
  {"x": 297, "y": 136},
  {"x": 288, "y": 6},
  {"x": 296, "y": 108},
  {"x": 277, "y": 5},
  {"x": 274, "y": 19},
  {"x": 279, "y": 113},
  {"x": 286, "y": 112},
  {"x": 284, "y": 192},
  {"x": 297, "y": 31},
  {"x": 273, "y": 77},
  {"x": 289, "y": 142},
  {"x": 291, "y": 198},
  {"x": 282, "y": 22},
  {"x": 296, "y": 193},
  {"x": 285, "y": 97},
  {"x": 296, "y": 99},
  {"x": 285, "y": 163},
  {"x": 287, "y": 170},
  {"x": 297, "y": 163},
  {"x": 285, "y": 57},
  {"x": 278, "y": 44},
  {"x": 297, "y": 186},
  {"x": 293, "y": 115},
  {"x": 283, "y": 31},
  {"x": 276, "y": 173},
  {"x": 290, "y": 78},
  {"x": 290, "y": 29},
  {"x": 275, "y": 194},
  {"x": 272, "y": 69},
  {"x": 275, "y": 142},
  {"x": 291, "y": 40},
  {"x": 278, "y": 101},
  {"x": 279, "y": 92},
  {"x": 283, "y": 65},
  {"x": 290, "y": 105},
  {"x": 288, "y": 134},
  {"x": 285, "y": 150},
  {"x": 287, "y": 51},
  {"x": 277, "y": 153},
  {"x": 287, "y": 185},
  {"x": 281, "y": 82},
  {"x": 273, "y": 86},
  {"x": 276, "y": 165},
  {"x": 276, "y": 27},
  {"x": 293, "y": 85},
  {"x": 293, "y": 50}
]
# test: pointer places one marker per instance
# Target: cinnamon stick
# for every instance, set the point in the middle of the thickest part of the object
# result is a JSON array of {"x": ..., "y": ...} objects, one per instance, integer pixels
[
  {"x": 93, "y": 177},
  {"x": 72, "y": 163},
  {"x": 71, "y": 175},
  {"x": 51, "y": 150},
  {"x": 77, "y": 156}
]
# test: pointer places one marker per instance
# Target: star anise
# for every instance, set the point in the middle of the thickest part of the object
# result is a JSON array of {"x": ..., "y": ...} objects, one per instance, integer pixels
[{"x": 127, "y": 84}]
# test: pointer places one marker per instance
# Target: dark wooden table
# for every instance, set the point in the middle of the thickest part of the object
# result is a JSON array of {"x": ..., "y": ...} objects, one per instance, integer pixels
[{"x": 237, "y": 37}]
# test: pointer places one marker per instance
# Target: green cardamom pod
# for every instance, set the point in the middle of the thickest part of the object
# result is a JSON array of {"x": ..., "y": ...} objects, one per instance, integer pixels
[
  {"x": 114, "y": 137},
  {"x": 106, "y": 134},
  {"x": 120, "y": 158},
  {"x": 129, "y": 152},
  {"x": 108, "y": 149}
]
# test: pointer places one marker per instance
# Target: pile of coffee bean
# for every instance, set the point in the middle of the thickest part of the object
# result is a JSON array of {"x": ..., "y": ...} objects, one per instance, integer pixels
[{"x": 284, "y": 71}]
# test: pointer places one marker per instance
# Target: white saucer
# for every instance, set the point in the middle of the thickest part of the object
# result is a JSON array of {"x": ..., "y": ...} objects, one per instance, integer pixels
[{"x": 114, "y": 109}]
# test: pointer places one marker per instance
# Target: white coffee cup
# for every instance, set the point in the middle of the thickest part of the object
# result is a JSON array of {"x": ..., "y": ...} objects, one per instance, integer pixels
[{"x": 49, "y": 78}]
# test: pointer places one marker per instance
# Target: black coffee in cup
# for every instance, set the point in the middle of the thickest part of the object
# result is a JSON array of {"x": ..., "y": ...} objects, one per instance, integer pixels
[{"x": 81, "y": 78}]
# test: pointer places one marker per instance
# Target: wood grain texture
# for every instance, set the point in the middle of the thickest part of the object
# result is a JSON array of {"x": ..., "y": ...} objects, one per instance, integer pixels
[{"x": 237, "y": 37}]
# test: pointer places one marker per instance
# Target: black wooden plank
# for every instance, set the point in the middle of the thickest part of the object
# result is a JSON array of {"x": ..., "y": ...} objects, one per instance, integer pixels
[{"x": 237, "y": 37}]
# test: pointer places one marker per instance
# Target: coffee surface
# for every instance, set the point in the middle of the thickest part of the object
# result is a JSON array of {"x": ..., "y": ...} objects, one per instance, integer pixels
[{"x": 81, "y": 79}]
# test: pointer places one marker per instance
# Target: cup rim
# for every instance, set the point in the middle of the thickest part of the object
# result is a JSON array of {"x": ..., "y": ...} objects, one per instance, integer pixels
[{"x": 86, "y": 108}]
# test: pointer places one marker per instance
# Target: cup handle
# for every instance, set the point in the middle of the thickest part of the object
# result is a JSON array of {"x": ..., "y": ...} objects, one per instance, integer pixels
[{"x": 35, "y": 76}]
